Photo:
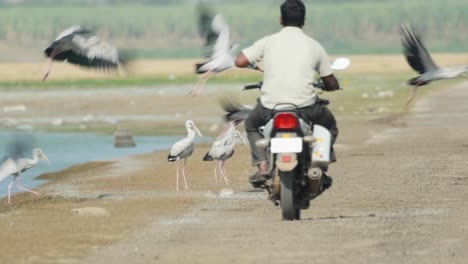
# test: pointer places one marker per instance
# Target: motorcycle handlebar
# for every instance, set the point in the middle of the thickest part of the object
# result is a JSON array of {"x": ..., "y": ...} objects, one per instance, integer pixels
[
  {"x": 319, "y": 84},
  {"x": 253, "y": 86}
]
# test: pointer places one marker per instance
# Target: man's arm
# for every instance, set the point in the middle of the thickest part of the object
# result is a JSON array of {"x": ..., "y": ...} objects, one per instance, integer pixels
[
  {"x": 242, "y": 61},
  {"x": 330, "y": 82},
  {"x": 251, "y": 55}
]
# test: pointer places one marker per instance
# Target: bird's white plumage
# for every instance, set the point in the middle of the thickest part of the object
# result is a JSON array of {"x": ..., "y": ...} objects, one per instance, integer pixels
[
  {"x": 17, "y": 166},
  {"x": 223, "y": 149},
  {"x": 223, "y": 56},
  {"x": 70, "y": 31},
  {"x": 181, "y": 148},
  {"x": 94, "y": 47},
  {"x": 184, "y": 147},
  {"x": 224, "y": 145},
  {"x": 221, "y": 46},
  {"x": 23, "y": 164},
  {"x": 7, "y": 168}
]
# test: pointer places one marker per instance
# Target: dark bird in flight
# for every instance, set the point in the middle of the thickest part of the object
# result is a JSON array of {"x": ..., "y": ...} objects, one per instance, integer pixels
[{"x": 420, "y": 60}]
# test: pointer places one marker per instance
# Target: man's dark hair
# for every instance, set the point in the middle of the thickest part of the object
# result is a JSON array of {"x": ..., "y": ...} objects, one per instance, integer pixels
[{"x": 293, "y": 13}]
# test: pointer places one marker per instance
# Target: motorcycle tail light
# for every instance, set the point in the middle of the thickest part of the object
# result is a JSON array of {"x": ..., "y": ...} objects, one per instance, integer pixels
[{"x": 286, "y": 121}]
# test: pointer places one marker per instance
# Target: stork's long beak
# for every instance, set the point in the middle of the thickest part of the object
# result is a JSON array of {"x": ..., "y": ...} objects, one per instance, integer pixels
[
  {"x": 197, "y": 131},
  {"x": 241, "y": 138},
  {"x": 45, "y": 158}
]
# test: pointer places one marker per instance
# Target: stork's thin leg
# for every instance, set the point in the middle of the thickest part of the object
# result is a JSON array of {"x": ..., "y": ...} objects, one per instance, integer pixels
[
  {"x": 221, "y": 170},
  {"x": 177, "y": 178},
  {"x": 183, "y": 174},
  {"x": 19, "y": 185},
  {"x": 216, "y": 175},
  {"x": 203, "y": 78},
  {"x": 9, "y": 188},
  {"x": 224, "y": 172},
  {"x": 27, "y": 190},
  {"x": 49, "y": 66},
  {"x": 413, "y": 94}
]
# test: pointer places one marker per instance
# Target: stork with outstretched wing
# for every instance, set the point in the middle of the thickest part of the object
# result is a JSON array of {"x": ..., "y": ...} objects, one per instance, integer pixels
[
  {"x": 421, "y": 61},
  {"x": 76, "y": 45}
]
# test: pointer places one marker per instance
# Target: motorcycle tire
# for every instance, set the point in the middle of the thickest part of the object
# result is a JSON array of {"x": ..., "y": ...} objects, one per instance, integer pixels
[{"x": 288, "y": 208}]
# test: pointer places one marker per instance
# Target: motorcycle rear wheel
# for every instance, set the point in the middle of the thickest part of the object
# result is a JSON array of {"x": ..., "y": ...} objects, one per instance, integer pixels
[{"x": 287, "y": 203}]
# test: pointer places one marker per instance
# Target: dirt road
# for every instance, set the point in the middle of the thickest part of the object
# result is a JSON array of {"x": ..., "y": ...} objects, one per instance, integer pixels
[{"x": 399, "y": 198}]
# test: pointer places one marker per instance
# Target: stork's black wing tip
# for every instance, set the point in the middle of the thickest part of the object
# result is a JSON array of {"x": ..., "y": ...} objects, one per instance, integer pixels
[
  {"x": 198, "y": 66},
  {"x": 207, "y": 157}
]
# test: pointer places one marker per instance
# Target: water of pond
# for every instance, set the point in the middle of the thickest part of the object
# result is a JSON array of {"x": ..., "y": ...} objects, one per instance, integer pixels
[{"x": 64, "y": 150}]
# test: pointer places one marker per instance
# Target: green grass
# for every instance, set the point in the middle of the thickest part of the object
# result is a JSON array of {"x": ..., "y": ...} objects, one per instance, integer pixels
[
  {"x": 120, "y": 82},
  {"x": 168, "y": 31}
]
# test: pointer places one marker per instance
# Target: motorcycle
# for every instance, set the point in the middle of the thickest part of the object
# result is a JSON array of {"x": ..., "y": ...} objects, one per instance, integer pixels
[{"x": 299, "y": 155}]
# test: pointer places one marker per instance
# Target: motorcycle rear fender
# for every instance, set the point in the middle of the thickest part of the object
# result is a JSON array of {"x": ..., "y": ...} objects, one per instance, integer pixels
[{"x": 283, "y": 163}]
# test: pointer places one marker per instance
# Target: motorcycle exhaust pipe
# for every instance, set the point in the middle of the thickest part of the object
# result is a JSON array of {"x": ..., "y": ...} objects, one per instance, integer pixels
[{"x": 314, "y": 177}]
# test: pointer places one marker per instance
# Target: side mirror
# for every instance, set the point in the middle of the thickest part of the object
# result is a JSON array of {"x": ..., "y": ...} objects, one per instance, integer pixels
[{"x": 340, "y": 64}]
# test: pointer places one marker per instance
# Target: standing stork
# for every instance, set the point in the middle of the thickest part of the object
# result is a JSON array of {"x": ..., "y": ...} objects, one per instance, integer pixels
[
  {"x": 76, "y": 46},
  {"x": 223, "y": 149},
  {"x": 17, "y": 166},
  {"x": 183, "y": 148},
  {"x": 420, "y": 60}
]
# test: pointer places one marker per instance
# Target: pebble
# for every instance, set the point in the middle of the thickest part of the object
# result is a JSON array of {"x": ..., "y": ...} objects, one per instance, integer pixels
[
  {"x": 224, "y": 193},
  {"x": 90, "y": 211}
]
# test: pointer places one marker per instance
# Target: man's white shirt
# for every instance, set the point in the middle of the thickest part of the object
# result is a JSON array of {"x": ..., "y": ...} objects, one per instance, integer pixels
[{"x": 290, "y": 60}]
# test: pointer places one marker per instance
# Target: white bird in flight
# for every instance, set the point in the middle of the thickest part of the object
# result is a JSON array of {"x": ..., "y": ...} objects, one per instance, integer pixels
[
  {"x": 420, "y": 60},
  {"x": 223, "y": 149},
  {"x": 223, "y": 55},
  {"x": 17, "y": 166},
  {"x": 182, "y": 149},
  {"x": 76, "y": 46}
]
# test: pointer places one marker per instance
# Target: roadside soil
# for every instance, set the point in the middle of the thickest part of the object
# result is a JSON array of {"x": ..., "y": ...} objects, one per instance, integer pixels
[{"x": 399, "y": 196}]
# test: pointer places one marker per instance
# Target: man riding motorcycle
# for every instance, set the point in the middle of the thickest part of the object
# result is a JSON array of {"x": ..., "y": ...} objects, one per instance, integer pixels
[{"x": 290, "y": 60}]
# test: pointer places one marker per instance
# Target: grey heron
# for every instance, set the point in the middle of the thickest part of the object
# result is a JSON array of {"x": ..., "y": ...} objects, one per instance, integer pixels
[
  {"x": 223, "y": 149},
  {"x": 16, "y": 166},
  {"x": 75, "y": 45},
  {"x": 420, "y": 60},
  {"x": 183, "y": 148}
]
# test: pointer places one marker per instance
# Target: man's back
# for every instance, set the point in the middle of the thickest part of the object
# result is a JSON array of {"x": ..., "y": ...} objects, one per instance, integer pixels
[{"x": 291, "y": 59}]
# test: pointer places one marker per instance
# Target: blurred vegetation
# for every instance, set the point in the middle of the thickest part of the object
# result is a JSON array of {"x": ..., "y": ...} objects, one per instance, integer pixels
[{"x": 168, "y": 28}]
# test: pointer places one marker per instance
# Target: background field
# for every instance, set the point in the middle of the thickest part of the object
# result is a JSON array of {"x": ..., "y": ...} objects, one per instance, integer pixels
[
  {"x": 151, "y": 103},
  {"x": 156, "y": 29}
]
